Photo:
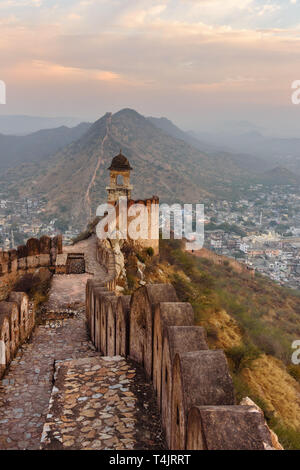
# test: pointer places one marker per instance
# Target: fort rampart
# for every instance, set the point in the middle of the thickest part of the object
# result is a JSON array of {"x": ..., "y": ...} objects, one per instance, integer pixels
[
  {"x": 194, "y": 389},
  {"x": 17, "y": 313}
]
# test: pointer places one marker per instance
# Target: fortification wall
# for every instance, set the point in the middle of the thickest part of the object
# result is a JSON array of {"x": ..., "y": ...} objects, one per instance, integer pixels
[
  {"x": 17, "y": 320},
  {"x": 193, "y": 385},
  {"x": 149, "y": 218},
  {"x": 17, "y": 313},
  {"x": 27, "y": 258}
]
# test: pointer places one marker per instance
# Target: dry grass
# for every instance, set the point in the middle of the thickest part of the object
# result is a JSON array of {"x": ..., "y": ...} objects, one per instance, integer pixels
[{"x": 269, "y": 379}]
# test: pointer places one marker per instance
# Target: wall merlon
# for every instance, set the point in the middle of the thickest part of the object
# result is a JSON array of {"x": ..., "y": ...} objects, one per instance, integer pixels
[{"x": 194, "y": 388}]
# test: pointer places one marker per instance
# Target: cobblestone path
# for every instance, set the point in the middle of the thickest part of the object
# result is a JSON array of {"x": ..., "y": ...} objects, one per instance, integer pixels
[
  {"x": 88, "y": 247},
  {"x": 98, "y": 392},
  {"x": 26, "y": 388},
  {"x": 93, "y": 407}
]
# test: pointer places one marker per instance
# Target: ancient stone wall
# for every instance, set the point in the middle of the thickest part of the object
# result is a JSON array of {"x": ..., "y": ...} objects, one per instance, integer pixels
[
  {"x": 147, "y": 220},
  {"x": 27, "y": 258},
  {"x": 193, "y": 385},
  {"x": 17, "y": 314},
  {"x": 17, "y": 319}
]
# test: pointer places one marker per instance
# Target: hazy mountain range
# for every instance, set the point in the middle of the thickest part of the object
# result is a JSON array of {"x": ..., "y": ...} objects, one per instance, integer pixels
[
  {"x": 68, "y": 167},
  {"x": 36, "y": 146},
  {"x": 23, "y": 125}
]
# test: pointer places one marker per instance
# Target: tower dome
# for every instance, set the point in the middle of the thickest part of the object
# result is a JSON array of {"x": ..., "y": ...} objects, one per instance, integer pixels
[
  {"x": 119, "y": 178},
  {"x": 120, "y": 163}
]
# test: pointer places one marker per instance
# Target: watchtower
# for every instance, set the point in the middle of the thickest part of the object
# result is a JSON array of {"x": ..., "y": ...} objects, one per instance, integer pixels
[{"x": 119, "y": 178}]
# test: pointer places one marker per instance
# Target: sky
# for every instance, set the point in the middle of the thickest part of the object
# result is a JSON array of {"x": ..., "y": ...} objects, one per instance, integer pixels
[{"x": 201, "y": 63}]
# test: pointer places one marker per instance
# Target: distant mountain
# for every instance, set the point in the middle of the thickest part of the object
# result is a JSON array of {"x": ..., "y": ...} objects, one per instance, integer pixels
[
  {"x": 23, "y": 125},
  {"x": 273, "y": 150},
  {"x": 281, "y": 176},
  {"x": 73, "y": 181},
  {"x": 169, "y": 128},
  {"x": 37, "y": 146},
  {"x": 242, "y": 158}
]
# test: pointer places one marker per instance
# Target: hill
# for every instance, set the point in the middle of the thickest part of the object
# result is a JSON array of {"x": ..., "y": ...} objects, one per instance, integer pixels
[
  {"x": 274, "y": 151},
  {"x": 282, "y": 176},
  {"x": 37, "y": 146},
  {"x": 241, "y": 159},
  {"x": 18, "y": 124},
  {"x": 253, "y": 319},
  {"x": 73, "y": 181}
]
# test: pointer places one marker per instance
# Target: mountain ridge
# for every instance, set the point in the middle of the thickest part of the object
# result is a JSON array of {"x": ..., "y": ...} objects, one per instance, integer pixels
[
  {"x": 73, "y": 181},
  {"x": 37, "y": 146}
]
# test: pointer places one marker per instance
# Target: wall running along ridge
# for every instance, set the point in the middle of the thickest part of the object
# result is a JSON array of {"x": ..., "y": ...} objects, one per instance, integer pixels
[{"x": 193, "y": 386}]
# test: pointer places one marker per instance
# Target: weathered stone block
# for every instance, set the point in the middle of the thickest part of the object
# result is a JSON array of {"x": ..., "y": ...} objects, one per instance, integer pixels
[
  {"x": 199, "y": 378},
  {"x": 122, "y": 325},
  {"x": 22, "y": 251},
  {"x": 25, "y": 317},
  {"x": 177, "y": 339},
  {"x": 167, "y": 314},
  {"x": 14, "y": 265},
  {"x": 142, "y": 307},
  {"x": 111, "y": 326},
  {"x": 105, "y": 299},
  {"x": 33, "y": 247},
  {"x": 95, "y": 320},
  {"x": 89, "y": 294},
  {"x": 227, "y": 428},
  {"x": 33, "y": 262},
  {"x": 45, "y": 245},
  {"x": 4, "y": 342},
  {"x": 10, "y": 309},
  {"x": 44, "y": 260},
  {"x": 22, "y": 264}
]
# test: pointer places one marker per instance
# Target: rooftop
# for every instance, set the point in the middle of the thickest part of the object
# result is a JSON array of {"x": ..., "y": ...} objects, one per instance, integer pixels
[{"x": 120, "y": 162}]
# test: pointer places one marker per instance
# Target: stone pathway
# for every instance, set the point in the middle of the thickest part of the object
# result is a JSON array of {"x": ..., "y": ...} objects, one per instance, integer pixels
[
  {"x": 26, "y": 388},
  {"x": 88, "y": 247},
  {"x": 132, "y": 419},
  {"x": 67, "y": 290},
  {"x": 93, "y": 407}
]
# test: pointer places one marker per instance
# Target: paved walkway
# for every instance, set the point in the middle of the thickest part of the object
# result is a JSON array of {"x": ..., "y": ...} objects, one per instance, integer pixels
[
  {"x": 88, "y": 247},
  {"x": 26, "y": 388},
  {"x": 96, "y": 386},
  {"x": 94, "y": 406}
]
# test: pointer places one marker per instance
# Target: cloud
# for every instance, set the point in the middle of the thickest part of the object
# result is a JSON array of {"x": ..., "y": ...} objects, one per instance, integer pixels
[{"x": 153, "y": 48}]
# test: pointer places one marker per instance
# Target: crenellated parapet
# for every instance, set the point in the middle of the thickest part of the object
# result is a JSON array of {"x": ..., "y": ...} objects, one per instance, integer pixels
[
  {"x": 193, "y": 385},
  {"x": 17, "y": 320},
  {"x": 37, "y": 253}
]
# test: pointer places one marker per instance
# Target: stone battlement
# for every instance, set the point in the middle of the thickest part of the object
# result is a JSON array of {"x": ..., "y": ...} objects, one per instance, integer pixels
[
  {"x": 17, "y": 320},
  {"x": 37, "y": 253},
  {"x": 193, "y": 385}
]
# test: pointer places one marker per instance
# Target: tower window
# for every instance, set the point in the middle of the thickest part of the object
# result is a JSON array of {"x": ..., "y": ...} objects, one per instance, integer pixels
[{"x": 120, "y": 180}]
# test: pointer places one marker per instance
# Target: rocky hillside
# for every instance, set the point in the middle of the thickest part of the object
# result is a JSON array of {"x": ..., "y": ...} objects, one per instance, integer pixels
[{"x": 73, "y": 181}]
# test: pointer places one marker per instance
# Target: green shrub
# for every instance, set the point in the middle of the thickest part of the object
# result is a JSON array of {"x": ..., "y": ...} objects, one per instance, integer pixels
[
  {"x": 140, "y": 257},
  {"x": 243, "y": 355},
  {"x": 183, "y": 288},
  {"x": 130, "y": 281},
  {"x": 150, "y": 251}
]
